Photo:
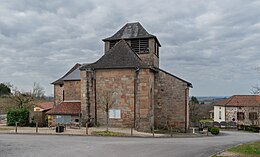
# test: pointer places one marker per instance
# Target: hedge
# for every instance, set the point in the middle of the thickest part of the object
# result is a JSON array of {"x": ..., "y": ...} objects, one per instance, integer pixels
[{"x": 18, "y": 115}]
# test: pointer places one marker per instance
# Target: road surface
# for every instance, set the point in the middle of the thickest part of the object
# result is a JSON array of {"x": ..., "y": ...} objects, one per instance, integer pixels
[{"x": 12, "y": 145}]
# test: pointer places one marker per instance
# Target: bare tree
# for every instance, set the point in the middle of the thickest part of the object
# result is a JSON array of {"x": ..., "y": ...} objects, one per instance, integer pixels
[
  {"x": 194, "y": 109},
  {"x": 256, "y": 88},
  {"x": 107, "y": 100},
  {"x": 22, "y": 99},
  {"x": 38, "y": 90}
]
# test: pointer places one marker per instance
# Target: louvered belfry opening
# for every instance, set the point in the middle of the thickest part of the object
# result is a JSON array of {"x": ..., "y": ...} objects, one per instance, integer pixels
[
  {"x": 137, "y": 45},
  {"x": 140, "y": 45}
]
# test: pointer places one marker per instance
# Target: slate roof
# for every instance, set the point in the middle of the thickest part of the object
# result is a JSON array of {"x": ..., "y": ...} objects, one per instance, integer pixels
[
  {"x": 131, "y": 31},
  {"x": 65, "y": 108},
  {"x": 120, "y": 56},
  {"x": 45, "y": 105},
  {"x": 240, "y": 101},
  {"x": 72, "y": 74}
]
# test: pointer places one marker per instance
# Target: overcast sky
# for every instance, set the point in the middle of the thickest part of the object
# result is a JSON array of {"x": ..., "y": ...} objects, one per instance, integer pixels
[{"x": 215, "y": 45}]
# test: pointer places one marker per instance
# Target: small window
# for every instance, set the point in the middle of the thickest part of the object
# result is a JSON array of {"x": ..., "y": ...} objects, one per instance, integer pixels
[
  {"x": 219, "y": 114},
  {"x": 240, "y": 115},
  {"x": 252, "y": 115}
]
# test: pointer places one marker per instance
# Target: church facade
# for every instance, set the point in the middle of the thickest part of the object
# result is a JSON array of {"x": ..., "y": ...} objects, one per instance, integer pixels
[{"x": 127, "y": 85}]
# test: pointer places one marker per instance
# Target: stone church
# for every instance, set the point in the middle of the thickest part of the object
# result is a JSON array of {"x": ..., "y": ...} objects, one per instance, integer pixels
[{"x": 128, "y": 81}]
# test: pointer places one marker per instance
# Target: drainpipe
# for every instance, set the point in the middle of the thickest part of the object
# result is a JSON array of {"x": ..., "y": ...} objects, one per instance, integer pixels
[
  {"x": 186, "y": 103},
  {"x": 135, "y": 94},
  {"x": 95, "y": 97}
]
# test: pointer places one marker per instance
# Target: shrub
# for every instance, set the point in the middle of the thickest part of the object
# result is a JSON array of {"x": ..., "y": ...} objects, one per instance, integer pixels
[
  {"x": 214, "y": 131},
  {"x": 209, "y": 128},
  {"x": 18, "y": 115},
  {"x": 252, "y": 128}
]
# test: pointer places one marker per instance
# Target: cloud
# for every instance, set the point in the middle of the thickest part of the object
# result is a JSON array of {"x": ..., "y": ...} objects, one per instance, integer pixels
[{"x": 205, "y": 42}]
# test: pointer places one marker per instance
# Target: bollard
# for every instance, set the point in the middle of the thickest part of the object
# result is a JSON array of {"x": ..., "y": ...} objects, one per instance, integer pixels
[
  {"x": 15, "y": 127},
  {"x": 87, "y": 128},
  {"x": 36, "y": 127},
  {"x": 171, "y": 131},
  {"x": 131, "y": 131},
  {"x": 153, "y": 131}
]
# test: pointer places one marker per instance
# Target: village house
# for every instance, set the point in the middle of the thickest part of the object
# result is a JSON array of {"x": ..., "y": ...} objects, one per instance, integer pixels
[
  {"x": 141, "y": 94},
  {"x": 242, "y": 109},
  {"x": 39, "y": 112}
]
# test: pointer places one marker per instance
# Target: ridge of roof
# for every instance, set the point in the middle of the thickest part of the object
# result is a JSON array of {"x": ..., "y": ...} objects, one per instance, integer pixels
[
  {"x": 119, "y": 56},
  {"x": 240, "y": 100},
  {"x": 60, "y": 80},
  {"x": 133, "y": 30}
]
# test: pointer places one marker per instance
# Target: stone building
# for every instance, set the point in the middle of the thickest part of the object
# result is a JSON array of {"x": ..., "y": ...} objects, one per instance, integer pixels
[
  {"x": 128, "y": 79},
  {"x": 242, "y": 109},
  {"x": 39, "y": 112},
  {"x": 67, "y": 98}
]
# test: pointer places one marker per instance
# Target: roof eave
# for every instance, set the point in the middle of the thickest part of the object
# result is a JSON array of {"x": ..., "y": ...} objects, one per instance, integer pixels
[{"x": 113, "y": 39}]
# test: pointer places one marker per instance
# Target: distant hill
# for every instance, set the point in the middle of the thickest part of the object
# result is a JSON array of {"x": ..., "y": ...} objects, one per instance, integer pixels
[{"x": 210, "y": 99}]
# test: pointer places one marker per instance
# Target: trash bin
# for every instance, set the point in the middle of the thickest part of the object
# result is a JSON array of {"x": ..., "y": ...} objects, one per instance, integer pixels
[{"x": 60, "y": 128}]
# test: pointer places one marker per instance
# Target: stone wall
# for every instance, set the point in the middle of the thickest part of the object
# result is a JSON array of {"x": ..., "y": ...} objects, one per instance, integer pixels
[
  {"x": 117, "y": 86},
  {"x": 87, "y": 96},
  {"x": 231, "y": 112},
  {"x": 58, "y": 94},
  {"x": 150, "y": 59},
  {"x": 171, "y": 105},
  {"x": 145, "y": 100},
  {"x": 72, "y": 90}
]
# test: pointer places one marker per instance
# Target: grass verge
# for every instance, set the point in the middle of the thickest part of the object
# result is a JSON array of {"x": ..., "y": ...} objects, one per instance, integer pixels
[
  {"x": 251, "y": 149},
  {"x": 5, "y": 129},
  {"x": 108, "y": 133}
]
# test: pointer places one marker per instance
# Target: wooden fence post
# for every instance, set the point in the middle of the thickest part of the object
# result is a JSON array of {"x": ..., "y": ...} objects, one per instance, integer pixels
[
  {"x": 36, "y": 127},
  {"x": 16, "y": 127},
  {"x": 87, "y": 128}
]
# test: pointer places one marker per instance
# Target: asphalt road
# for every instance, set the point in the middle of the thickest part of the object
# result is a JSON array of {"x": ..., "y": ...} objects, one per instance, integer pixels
[{"x": 12, "y": 145}]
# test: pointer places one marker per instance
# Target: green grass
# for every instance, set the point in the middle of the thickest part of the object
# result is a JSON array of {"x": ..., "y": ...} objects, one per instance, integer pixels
[
  {"x": 247, "y": 149},
  {"x": 206, "y": 120},
  {"x": 107, "y": 133}
]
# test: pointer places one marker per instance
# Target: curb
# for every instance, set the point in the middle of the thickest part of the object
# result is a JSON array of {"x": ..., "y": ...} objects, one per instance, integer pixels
[{"x": 127, "y": 136}]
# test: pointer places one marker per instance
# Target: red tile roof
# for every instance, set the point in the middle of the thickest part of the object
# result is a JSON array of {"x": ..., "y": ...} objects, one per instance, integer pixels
[
  {"x": 240, "y": 101},
  {"x": 45, "y": 105},
  {"x": 65, "y": 108}
]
